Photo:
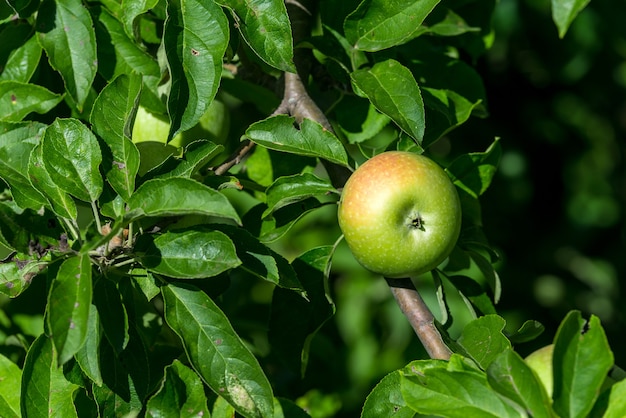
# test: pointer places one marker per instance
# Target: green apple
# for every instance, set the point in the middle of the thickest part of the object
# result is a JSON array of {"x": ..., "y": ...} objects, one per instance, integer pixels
[
  {"x": 400, "y": 214},
  {"x": 541, "y": 363}
]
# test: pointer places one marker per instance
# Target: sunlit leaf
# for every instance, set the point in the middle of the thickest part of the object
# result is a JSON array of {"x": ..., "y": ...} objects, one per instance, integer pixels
[
  {"x": 72, "y": 158},
  {"x": 10, "y": 377},
  {"x": 473, "y": 172},
  {"x": 581, "y": 360},
  {"x": 381, "y": 24},
  {"x": 265, "y": 26},
  {"x": 187, "y": 254},
  {"x": 385, "y": 400},
  {"x": 290, "y": 189},
  {"x": 392, "y": 89},
  {"x": 216, "y": 352},
  {"x": 565, "y": 11},
  {"x": 483, "y": 339},
  {"x": 110, "y": 117},
  {"x": 195, "y": 39},
  {"x": 180, "y": 196},
  {"x": 311, "y": 139}
]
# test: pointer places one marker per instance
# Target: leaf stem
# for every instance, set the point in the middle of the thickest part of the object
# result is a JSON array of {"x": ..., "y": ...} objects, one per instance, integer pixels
[{"x": 420, "y": 317}]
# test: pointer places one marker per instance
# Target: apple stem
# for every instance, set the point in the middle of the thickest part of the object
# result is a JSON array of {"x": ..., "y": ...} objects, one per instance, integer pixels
[{"x": 420, "y": 317}]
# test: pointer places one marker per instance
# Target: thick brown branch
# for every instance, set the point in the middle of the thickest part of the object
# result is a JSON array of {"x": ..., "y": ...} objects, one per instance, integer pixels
[{"x": 420, "y": 317}]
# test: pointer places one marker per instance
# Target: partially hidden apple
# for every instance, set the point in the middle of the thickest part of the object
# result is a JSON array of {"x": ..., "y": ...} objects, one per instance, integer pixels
[
  {"x": 400, "y": 214},
  {"x": 540, "y": 361}
]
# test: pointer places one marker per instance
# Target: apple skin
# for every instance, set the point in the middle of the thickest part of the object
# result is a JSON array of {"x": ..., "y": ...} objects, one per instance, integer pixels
[
  {"x": 541, "y": 362},
  {"x": 400, "y": 214}
]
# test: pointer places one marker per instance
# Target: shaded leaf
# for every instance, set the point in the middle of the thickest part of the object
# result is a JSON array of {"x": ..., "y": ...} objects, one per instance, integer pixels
[
  {"x": 473, "y": 172},
  {"x": 187, "y": 254},
  {"x": 216, "y": 351},
  {"x": 195, "y": 39},
  {"x": 290, "y": 335},
  {"x": 311, "y": 139},
  {"x": 66, "y": 32},
  {"x": 88, "y": 356},
  {"x": 16, "y": 275},
  {"x": 72, "y": 158},
  {"x": 113, "y": 316},
  {"x": 280, "y": 221},
  {"x": 180, "y": 395},
  {"x": 392, "y": 89},
  {"x": 180, "y": 196},
  {"x": 612, "y": 402},
  {"x": 69, "y": 302},
  {"x": 527, "y": 332},
  {"x": 196, "y": 155},
  {"x": 18, "y": 99},
  {"x": 265, "y": 26},
  {"x": 22, "y": 62},
  {"x": 380, "y": 24}
]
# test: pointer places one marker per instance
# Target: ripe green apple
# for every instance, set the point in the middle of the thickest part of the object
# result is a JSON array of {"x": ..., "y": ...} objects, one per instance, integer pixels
[
  {"x": 541, "y": 363},
  {"x": 400, "y": 214}
]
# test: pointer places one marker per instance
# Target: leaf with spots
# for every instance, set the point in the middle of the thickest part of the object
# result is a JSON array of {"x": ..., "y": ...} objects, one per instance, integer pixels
[
  {"x": 18, "y": 99},
  {"x": 195, "y": 39},
  {"x": 216, "y": 352},
  {"x": 68, "y": 306}
]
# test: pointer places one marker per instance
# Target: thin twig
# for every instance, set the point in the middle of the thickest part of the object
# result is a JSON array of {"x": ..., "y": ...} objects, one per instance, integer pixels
[{"x": 420, "y": 317}]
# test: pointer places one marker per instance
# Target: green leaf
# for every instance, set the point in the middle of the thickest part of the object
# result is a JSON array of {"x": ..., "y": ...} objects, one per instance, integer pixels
[
  {"x": 259, "y": 260},
  {"x": 280, "y": 221},
  {"x": 612, "y": 403},
  {"x": 195, "y": 39},
  {"x": 180, "y": 196},
  {"x": 18, "y": 99},
  {"x": 22, "y": 62},
  {"x": 311, "y": 139},
  {"x": 113, "y": 316},
  {"x": 68, "y": 306},
  {"x": 483, "y": 339},
  {"x": 45, "y": 391},
  {"x": 118, "y": 396},
  {"x": 66, "y": 32},
  {"x": 118, "y": 55},
  {"x": 451, "y": 25},
  {"x": 187, "y": 254},
  {"x": 453, "y": 389},
  {"x": 17, "y": 141},
  {"x": 196, "y": 155},
  {"x": 291, "y": 189},
  {"x": 381, "y": 24},
  {"x": 216, "y": 352},
  {"x": 10, "y": 377},
  {"x": 509, "y": 375},
  {"x": 72, "y": 158},
  {"x": 265, "y": 26},
  {"x": 180, "y": 395},
  {"x": 291, "y": 335},
  {"x": 111, "y": 118},
  {"x": 61, "y": 203},
  {"x": 473, "y": 172},
  {"x": 88, "y": 356},
  {"x": 527, "y": 332},
  {"x": 20, "y": 229},
  {"x": 16, "y": 276},
  {"x": 131, "y": 11},
  {"x": 564, "y": 12},
  {"x": 385, "y": 400},
  {"x": 392, "y": 89},
  {"x": 581, "y": 360}
]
